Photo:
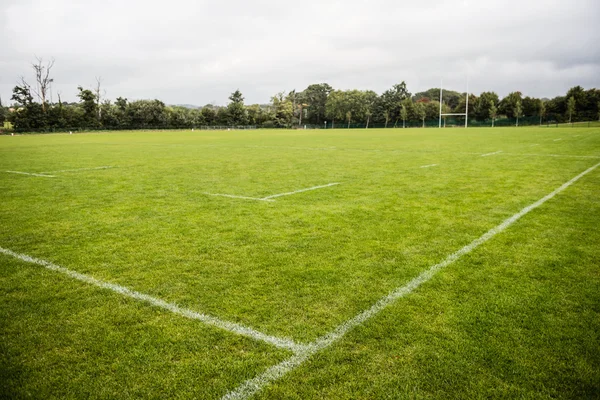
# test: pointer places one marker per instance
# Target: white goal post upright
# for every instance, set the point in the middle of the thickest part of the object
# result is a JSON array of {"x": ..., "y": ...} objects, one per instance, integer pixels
[{"x": 466, "y": 113}]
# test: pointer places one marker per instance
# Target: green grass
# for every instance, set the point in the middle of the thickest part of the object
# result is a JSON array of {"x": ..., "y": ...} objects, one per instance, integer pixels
[{"x": 518, "y": 317}]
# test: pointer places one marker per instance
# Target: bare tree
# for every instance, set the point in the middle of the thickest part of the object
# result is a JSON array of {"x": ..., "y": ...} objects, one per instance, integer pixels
[
  {"x": 43, "y": 80},
  {"x": 99, "y": 95}
]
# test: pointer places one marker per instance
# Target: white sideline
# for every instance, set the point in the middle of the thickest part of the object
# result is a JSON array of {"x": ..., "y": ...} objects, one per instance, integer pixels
[
  {"x": 254, "y": 385},
  {"x": 30, "y": 173},
  {"x": 427, "y": 166},
  {"x": 77, "y": 169},
  {"x": 556, "y": 140},
  {"x": 233, "y": 327},
  {"x": 237, "y": 197},
  {"x": 491, "y": 154},
  {"x": 300, "y": 191}
]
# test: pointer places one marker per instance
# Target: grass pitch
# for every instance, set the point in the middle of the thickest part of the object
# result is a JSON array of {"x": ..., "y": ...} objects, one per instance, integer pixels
[{"x": 517, "y": 317}]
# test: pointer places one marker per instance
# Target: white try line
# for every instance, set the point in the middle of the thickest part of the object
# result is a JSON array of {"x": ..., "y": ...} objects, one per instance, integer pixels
[
  {"x": 428, "y": 166},
  {"x": 237, "y": 197},
  {"x": 491, "y": 154},
  {"x": 300, "y": 191},
  {"x": 78, "y": 169},
  {"x": 30, "y": 173},
  {"x": 233, "y": 327},
  {"x": 254, "y": 385},
  {"x": 270, "y": 198}
]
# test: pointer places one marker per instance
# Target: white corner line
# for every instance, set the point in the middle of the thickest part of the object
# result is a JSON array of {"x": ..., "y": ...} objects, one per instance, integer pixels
[
  {"x": 238, "y": 197},
  {"x": 233, "y": 327},
  {"x": 30, "y": 173},
  {"x": 254, "y": 385},
  {"x": 78, "y": 169},
  {"x": 430, "y": 165},
  {"x": 300, "y": 191},
  {"x": 491, "y": 154}
]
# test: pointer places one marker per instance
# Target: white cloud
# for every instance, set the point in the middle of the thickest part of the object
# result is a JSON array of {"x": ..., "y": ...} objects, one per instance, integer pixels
[{"x": 188, "y": 51}]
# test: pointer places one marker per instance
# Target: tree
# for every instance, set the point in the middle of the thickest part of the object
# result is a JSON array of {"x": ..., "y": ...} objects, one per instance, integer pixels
[
  {"x": 209, "y": 115},
  {"x": 28, "y": 114},
  {"x": 571, "y": 107},
  {"x": 420, "y": 112},
  {"x": 2, "y": 113},
  {"x": 541, "y": 109},
  {"x": 598, "y": 105},
  {"x": 283, "y": 110},
  {"x": 386, "y": 115},
  {"x": 89, "y": 105},
  {"x": 508, "y": 104},
  {"x": 315, "y": 96},
  {"x": 99, "y": 95},
  {"x": 391, "y": 100},
  {"x": 492, "y": 112},
  {"x": 369, "y": 99},
  {"x": 43, "y": 80},
  {"x": 236, "y": 110},
  {"x": 481, "y": 109},
  {"x": 404, "y": 113},
  {"x": 518, "y": 109}
]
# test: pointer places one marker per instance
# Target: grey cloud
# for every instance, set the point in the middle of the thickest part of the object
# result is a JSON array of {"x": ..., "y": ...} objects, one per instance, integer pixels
[{"x": 188, "y": 51}]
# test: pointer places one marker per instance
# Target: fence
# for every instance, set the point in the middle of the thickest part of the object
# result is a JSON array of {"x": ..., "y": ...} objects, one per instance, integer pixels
[{"x": 431, "y": 123}]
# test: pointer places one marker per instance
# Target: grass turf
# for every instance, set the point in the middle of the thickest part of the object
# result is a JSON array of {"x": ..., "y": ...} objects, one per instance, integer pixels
[{"x": 494, "y": 324}]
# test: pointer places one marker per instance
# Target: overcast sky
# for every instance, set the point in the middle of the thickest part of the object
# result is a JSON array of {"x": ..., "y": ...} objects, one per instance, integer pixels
[{"x": 198, "y": 52}]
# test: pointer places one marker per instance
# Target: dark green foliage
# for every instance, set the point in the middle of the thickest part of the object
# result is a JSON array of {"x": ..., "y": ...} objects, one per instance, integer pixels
[
  {"x": 316, "y": 97},
  {"x": 236, "y": 111}
]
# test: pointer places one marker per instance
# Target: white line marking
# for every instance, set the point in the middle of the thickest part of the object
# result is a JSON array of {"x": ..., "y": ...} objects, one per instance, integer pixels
[
  {"x": 427, "y": 166},
  {"x": 491, "y": 154},
  {"x": 283, "y": 343},
  {"x": 30, "y": 173},
  {"x": 537, "y": 144},
  {"x": 78, "y": 169},
  {"x": 556, "y": 140},
  {"x": 300, "y": 191},
  {"x": 238, "y": 197},
  {"x": 551, "y": 155},
  {"x": 254, "y": 385}
]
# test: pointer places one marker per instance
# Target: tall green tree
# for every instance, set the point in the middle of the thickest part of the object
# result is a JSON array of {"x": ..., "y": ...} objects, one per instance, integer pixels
[
  {"x": 404, "y": 113},
  {"x": 283, "y": 110},
  {"x": 89, "y": 106},
  {"x": 571, "y": 107},
  {"x": 236, "y": 110},
  {"x": 481, "y": 110},
  {"x": 391, "y": 100},
  {"x": 518, "y": 109},
  {"x": 315, "y": 96},
  {"x": 541, "y": 109},
  {"x": 507, "y": 105},
  {"x": 420, "y": 112},
  {"x": 493, "y": 112}
]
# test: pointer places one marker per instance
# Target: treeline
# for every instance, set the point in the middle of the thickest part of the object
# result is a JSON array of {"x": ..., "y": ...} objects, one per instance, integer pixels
[{"x": 319, "y": 105}]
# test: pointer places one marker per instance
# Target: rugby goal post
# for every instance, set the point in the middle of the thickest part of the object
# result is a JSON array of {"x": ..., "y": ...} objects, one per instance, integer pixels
[{"x": 466, "y": 113}]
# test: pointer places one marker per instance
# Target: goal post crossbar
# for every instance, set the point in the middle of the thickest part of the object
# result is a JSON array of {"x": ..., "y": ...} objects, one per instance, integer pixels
[{"x": 466, "y": 113}]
